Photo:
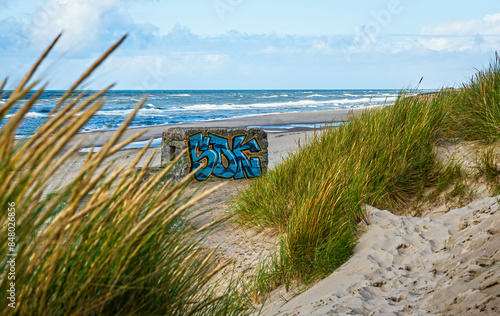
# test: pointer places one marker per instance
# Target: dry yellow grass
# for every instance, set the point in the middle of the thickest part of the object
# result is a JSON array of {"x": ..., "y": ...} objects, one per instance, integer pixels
[{"x": 112, "y": 241}]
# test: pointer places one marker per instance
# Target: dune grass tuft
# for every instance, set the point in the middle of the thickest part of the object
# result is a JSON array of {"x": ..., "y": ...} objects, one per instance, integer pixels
[
  {"x": 315, "y": 198},
  {"x": 476, "y": 112},
  {"x": 108, "y": 243},
  {"x": 487, "y": 165},
  {"x": 383, "y": 157}
]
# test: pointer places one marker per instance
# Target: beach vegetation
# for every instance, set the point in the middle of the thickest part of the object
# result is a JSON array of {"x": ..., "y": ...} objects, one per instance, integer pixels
[
  {"x": 315, "y": 200},
  {"x": 112, "y": 242},
  {"x": 488, "y": 167},
  {"x": 475, "y": 114}
]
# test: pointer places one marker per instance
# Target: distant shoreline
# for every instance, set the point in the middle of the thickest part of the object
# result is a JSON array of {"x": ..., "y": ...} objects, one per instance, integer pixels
[
  {"x": 166, "y": 108},
  {"x": 98, "y": 138}
]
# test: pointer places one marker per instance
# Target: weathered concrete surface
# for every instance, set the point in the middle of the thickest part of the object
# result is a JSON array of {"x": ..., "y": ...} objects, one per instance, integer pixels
[{"x": 222, "y": 153}]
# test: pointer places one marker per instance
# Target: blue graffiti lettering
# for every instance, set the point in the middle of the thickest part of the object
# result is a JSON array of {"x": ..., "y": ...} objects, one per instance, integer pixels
[
  {"x": 200, "y": 154},
  {"x": 252, "y": 168},
  {"x": 216, "y": 157}
]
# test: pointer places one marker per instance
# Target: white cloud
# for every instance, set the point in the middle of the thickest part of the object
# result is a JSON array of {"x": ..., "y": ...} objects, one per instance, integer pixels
[
  {"x": 151, "y": 60},
  {"x": 448, "y": 44},
  {"x": 492, "y": 18},
  {"x": 463, "y": 35},
  {"x": 489, "y": 25},
  {"x": 82, "y": 21},
  {"x": 11, "y": 34},
  {"x": 269, "y": 50},
  {"x": 321, "y": 47}
]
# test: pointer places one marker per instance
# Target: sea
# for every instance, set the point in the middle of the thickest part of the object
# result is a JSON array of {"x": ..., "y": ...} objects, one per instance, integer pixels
[{"x": 189, "y": 106}]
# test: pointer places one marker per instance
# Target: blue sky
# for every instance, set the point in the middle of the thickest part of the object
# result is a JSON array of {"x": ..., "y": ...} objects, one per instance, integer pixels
[{"x": 243, "y": 44}]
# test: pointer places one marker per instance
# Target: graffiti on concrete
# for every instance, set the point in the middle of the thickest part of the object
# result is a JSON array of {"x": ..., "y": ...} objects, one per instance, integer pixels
[{"x": 223, "y": 157}]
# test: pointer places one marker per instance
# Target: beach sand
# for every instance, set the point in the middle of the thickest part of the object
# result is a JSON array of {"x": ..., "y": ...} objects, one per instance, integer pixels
[
  {"x": 447, "y": 265},
  {"x": 443, "y": 265},
  {"x": 297, "y": 118},
  {"x": 280, "y": 144},
  {"x": 241, "y": 245}
]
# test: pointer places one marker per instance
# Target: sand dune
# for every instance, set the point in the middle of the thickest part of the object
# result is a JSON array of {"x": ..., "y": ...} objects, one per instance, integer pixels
[{"x": 447, "y": 265}]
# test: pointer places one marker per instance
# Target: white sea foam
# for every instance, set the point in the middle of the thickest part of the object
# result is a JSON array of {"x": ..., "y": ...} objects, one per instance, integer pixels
[
  {"x": 366, "y": 100},
  {"x": 141, "y": 112},
  {"x": 153, "y": 111},
  {"x": 350, "y": 95},
  {"x": 29, "y": 114},
  {"x": 301, "y": 103},
  {"x": 269, "y": 96},
  {"x": 114, "y": 112},
  {"x": 272, "y": 96},
  {"x": 316, "y": 96},
  {"x": 150, "y": 105},
  {"x": 360, "y": 100},
  {"x": 380, "y": 97},
  {"x": 101, "y": 128},
  {"x": 35, "y": 114},
  {"x": 179, "y": 95},
  {"x": 230, "y": 106}
]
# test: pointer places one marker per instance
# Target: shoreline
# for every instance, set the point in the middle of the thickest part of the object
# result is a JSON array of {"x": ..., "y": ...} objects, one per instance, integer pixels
[{"x": 98, "y": 138}]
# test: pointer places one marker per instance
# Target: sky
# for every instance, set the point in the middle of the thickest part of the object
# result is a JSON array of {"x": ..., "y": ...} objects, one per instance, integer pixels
[{"x": 243, "y": 44}]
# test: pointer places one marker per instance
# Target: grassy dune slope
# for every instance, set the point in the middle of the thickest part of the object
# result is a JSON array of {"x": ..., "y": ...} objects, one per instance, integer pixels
[{"x": 383, "y": 157}]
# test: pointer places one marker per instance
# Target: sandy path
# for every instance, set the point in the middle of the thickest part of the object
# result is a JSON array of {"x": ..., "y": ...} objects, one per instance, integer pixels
[
  {"x": 242, "y": 245},
  {"x": 448, "y": 265},
  {"x": 280, "y": 146}
]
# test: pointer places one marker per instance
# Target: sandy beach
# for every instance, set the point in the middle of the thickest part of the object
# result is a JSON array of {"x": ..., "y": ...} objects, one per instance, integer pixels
[
  {"x": 441, "y": 265},
  {"x": 302, "y": 118},
  {"x": 447, "y": 265}
]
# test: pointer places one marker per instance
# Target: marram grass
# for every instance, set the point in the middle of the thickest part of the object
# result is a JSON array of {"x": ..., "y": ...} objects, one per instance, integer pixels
[
  {"x": 383, "y": 157},
  {"x": 476, "y": 112},
  {"x": 108, "y": 243}
]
